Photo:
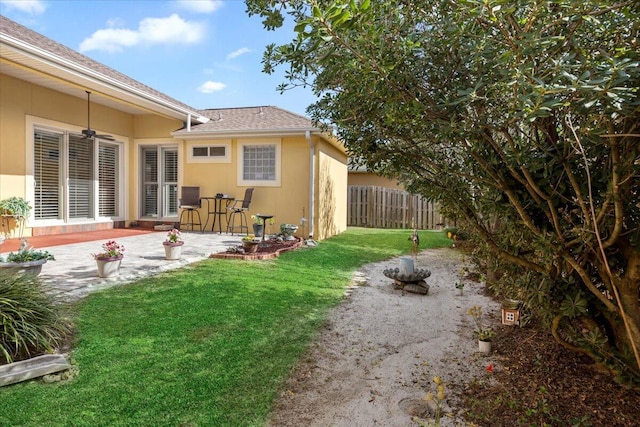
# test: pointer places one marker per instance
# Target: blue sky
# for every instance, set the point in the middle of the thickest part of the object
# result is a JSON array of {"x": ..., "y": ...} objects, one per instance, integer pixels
[{"x": 204, "y": 53}]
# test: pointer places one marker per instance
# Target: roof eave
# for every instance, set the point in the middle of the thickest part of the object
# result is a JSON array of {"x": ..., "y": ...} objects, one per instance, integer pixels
[
  {"x": 195, "y": 135},
  {"x": 149, "y": 100},
  {"x": 245, "y": 133}
]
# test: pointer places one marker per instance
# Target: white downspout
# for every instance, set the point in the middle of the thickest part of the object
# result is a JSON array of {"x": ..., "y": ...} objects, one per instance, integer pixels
[
  {"x": 188, "y": 122},
  {"x": 312, "y": 186}
]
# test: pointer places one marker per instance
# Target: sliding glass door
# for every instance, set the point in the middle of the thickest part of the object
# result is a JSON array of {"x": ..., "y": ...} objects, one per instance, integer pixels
[{"x": 159, "y": 192}]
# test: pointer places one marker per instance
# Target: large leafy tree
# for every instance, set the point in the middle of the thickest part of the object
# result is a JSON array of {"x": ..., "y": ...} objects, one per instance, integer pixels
[{"x": 520, "y": 117}]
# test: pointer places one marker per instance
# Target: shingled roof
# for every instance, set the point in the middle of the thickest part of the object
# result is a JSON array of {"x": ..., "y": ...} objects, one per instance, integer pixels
[{"x": 253, "y": 119}]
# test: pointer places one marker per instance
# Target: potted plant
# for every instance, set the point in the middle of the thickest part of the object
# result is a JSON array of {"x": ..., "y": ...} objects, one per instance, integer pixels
[
  {"x": 258, "y": 225},
  {"x": 26, "y": 260},
  {"x": 250, "y": 244},
  {"x": 173, "y": 244},
  {"x": 109, "y": 259},
  {"x": 483, "y": 333},
  {"x": 16, "y": 208},
  {"x": 288, "y": 230},
  {"x": 459, "y": 288}
]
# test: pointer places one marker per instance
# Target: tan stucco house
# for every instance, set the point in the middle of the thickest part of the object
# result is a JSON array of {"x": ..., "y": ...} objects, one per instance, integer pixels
[
  {"x": 361, "y": 176},
  {"x": 141, "y": 147}
]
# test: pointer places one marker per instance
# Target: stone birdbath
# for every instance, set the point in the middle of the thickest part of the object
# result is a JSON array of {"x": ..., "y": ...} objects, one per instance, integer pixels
[{"x": 408, "y": 278}]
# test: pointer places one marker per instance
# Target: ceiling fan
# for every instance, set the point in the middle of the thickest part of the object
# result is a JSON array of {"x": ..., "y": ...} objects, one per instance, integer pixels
[{"x": 88, "y": 132}]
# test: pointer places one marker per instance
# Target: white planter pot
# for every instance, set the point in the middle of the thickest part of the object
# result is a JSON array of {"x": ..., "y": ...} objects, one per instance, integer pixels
[
  {"x": 459, "y": 292},
  {"x": 108, "y": 267},
  {"x": 484, "y": 346},
  {"x": 31, "y": 268},
  {"x": 173, "y": 251}
]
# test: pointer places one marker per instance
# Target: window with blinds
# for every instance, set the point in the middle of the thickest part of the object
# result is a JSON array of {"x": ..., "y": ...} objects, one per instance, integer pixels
[
  {"x": 108, "y": 173},
  {"x": 80, "y": 177},
  {"x": 150, "y": 182},
  {"x": 67, "y": 177},
  {"x": 47, "y": 172},
  {"x": 159, "y": 176},
  {"x": 170, "y": 182}
]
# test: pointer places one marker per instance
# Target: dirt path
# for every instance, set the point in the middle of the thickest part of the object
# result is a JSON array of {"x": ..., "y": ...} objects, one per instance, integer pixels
[{"x": 375, "y": 360}]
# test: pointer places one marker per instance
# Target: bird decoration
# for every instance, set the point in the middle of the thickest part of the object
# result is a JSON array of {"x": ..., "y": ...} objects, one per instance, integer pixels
[{"x": 415, "y": 241}]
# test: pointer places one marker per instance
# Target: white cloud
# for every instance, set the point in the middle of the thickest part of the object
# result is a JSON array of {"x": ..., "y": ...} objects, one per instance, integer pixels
[
  {"x": 238, "y": 52},
  {"x": 115, "y": 22},
  {"x": 111, "y": 40},
  {"x": 200, "y": 6},
  {"x": 210, "y": 87},
  {"x": 34, "y": 7},
  {"x": 172, "y": 29}
]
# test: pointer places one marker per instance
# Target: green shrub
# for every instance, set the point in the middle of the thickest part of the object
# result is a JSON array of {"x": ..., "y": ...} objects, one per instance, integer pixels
[
  {"x": 15, "y": 206},
  {"x": 30, "y": 323},
  {"x": 29, "y": 254}
]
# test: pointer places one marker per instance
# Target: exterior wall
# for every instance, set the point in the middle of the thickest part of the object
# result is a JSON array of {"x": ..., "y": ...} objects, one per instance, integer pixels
[
  {"x": 331, "y": 193},
  {"x": 286, "y": 201},
  {"x": 13, "y": 105},
  {"x": 23, "y": 104},
  {"x": 368, "y": 178}
]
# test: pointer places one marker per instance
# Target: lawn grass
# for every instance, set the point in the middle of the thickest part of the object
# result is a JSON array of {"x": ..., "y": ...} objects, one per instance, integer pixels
[{"x": 208, "y": 345}]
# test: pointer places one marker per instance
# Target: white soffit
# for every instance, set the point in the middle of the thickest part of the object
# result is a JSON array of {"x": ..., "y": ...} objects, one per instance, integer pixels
[{"x": 74, "y": 79}]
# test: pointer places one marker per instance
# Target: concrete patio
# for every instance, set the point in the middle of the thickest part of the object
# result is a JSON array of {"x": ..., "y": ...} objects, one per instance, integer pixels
[{"x": 74, "y": 272}]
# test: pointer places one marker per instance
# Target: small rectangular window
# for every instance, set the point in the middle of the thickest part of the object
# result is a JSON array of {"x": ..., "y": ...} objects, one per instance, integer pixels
[
  {"x": 200, "y": 151},
  {"x": 210, "y": 153},
  {"x": 217, "y": 151}
]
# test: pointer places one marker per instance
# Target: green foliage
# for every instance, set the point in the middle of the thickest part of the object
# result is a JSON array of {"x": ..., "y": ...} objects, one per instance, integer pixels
[
  {"x": 29, "y": 254},
  {"x": 206, "y": 345},
  {"x": 519, "y": 118},
  {"x": 482, "y": 332},
  {"x": 574, "y": 306},
  {"x": 15, "y": 206},
  {"x": 30, "y": 322}
]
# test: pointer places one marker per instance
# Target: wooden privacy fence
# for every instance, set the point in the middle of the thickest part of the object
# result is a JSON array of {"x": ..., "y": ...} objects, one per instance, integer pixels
[{"x": 379, "y": 207}]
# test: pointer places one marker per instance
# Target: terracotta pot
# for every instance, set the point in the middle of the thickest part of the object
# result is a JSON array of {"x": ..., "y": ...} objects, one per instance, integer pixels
[{"x": 250, "y": 247}]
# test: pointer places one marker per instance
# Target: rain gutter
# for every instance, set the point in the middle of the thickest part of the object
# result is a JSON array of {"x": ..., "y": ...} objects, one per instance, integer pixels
[{"x": 312, "y": 186}]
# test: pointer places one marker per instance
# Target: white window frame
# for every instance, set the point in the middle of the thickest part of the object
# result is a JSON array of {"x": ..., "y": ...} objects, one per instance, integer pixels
[
  {"x": 34, "y": 123},
  {"x": 209, "y": 159},
  {"x": 277, "y": 142},
  {"x": 160, "y": 145}
]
